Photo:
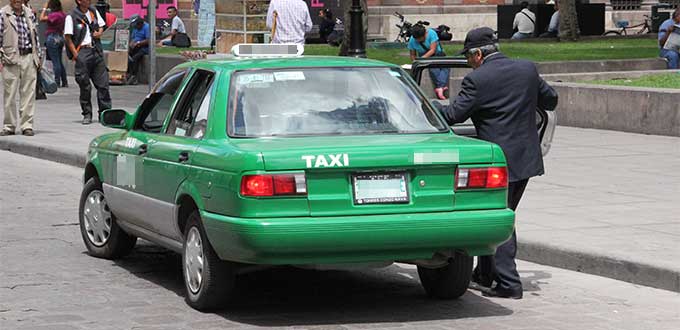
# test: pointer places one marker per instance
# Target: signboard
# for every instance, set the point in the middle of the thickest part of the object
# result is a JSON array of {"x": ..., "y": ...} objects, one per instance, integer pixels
[
  {"x": 122, "y": 40},
  {"x": 206, "y": 23},
  {"x": 139, "y": 7},
  {"x": 337, "y": 7}
]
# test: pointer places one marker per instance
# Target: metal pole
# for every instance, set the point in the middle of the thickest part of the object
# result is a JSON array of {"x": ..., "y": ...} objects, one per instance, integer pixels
[
  {"x": 152, "y": 43},
  {"x": 357, "y": 45}
]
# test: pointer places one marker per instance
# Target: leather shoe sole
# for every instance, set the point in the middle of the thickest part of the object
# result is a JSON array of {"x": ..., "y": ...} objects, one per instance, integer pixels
[
  {"x": 28, "y": 132},
  {"x": 500, "y": 293},
  {"x": 5, "y": 132}
]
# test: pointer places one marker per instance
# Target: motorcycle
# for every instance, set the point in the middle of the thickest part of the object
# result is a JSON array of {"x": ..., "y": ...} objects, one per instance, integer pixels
[{"x": 405, "y": 29}]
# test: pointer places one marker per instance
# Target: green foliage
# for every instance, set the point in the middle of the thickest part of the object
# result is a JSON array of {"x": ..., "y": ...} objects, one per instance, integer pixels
[
  {"x": 668, "y": 80},
  {"x": 535, "y": 51}
]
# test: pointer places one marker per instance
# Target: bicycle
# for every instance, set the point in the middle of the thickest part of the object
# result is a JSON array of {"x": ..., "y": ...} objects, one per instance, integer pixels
[
  {"x": 623, "y": 26},
  {"x": 405, "y": 28}
]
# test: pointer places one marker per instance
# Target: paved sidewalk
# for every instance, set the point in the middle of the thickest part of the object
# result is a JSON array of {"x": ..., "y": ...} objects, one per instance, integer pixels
[{"x": 608, "y": 204}]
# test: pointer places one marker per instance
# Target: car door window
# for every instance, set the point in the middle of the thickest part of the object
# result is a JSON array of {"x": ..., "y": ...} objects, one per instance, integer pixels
[
  {"x": 157, "y": 105},
  {"x": 191, "y": 114}
]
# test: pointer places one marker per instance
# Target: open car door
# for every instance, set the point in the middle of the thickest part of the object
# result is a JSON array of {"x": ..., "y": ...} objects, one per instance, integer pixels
[{"x": 545, "y": 120}]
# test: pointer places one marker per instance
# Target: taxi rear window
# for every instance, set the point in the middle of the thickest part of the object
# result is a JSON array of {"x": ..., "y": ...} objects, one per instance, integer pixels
[{"x": 327, "y": 101}]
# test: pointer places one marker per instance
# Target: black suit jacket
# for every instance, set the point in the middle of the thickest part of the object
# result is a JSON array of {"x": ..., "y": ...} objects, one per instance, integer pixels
[{"x": 501, "y": 97}]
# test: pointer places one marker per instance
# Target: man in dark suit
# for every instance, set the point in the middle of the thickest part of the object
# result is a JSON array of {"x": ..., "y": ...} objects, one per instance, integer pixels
[{"x": 501, "y": 96}]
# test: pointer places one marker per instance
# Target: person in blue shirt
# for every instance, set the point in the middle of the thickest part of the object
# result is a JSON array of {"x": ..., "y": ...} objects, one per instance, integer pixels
[
  {"x": 665, "y": 30},
  {"x": 139, "y": 46},
  {"x": 424, "y": 43}
]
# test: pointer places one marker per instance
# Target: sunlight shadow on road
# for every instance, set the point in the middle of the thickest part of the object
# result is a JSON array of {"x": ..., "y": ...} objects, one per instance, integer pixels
[{"x": 288, "y": 296}]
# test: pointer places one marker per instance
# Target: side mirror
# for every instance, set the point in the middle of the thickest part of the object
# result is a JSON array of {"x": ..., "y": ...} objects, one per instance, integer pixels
[{"x": 116, "y": 118}]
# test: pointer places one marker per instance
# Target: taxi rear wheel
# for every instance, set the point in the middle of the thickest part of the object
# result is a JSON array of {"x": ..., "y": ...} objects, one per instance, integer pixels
[
  {"x": 209, "y": 281},
  {"x": 450, "y": 281},
  {"x": 98, "y": 227}
]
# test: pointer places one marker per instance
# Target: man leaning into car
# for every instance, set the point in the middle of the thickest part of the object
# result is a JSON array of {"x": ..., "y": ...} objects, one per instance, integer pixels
[{"x": 501, "y": 96}]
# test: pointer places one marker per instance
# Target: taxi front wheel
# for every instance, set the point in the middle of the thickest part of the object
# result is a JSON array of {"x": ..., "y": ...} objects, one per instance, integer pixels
[
  {"x": 450, "y": 281},
  {"x": 209, "y": 281},
  {"x": 101, "y": 234}
]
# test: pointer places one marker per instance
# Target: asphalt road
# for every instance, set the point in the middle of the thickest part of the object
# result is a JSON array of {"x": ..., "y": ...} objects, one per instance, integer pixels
[{"x": 47, "y": 281}]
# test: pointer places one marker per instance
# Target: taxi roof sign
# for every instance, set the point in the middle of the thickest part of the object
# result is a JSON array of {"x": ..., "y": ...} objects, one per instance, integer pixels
[{"x": 267, "y": 50}]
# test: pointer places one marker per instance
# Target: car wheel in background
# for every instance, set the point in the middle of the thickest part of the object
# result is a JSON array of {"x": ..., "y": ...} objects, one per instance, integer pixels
[
  {"x": 209, "y": 281},
  {"x": 101, "y": 234},
  {"x": 450, "y": 281}
]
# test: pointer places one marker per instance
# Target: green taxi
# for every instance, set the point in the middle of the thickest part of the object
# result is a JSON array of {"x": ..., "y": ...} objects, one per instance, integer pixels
[{"x": 254, "y": 160}]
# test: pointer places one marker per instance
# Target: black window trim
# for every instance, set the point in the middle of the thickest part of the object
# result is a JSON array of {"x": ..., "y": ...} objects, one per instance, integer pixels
[{"x": 181, "y": 97}]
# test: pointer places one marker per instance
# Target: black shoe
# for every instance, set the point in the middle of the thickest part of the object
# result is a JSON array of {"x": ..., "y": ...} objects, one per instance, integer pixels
[
  {"x": 503, "y": 293},
  {"x": 481, "y": 280},
  {"x": 64, "y": 85},
  {"x": 87, "y": 120},
  {"x": 6, "y": 132},
  {"x": 28, "y": 132},
  {"x": 132, "y": 80}
]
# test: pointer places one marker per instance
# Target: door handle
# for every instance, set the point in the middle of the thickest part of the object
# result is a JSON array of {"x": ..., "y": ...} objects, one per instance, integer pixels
[
  {"x": 183, "y": 156},
  {"x": 143, "y": 149}
]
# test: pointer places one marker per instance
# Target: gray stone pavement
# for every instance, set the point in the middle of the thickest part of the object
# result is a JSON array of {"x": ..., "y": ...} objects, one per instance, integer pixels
[
  {"x": 47, "y": 281},
  {"x": 608, "y": 204}
]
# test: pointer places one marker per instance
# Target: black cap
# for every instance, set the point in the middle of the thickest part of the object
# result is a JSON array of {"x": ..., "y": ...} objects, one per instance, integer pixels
[{"x": 479, "y": 37}]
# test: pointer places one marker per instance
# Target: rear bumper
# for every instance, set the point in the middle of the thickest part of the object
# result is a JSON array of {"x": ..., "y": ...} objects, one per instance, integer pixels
[{"x": 353, "y": 239}]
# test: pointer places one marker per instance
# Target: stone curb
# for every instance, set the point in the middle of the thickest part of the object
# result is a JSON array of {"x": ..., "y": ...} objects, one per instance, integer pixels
[{"x": 541, "y": 253}]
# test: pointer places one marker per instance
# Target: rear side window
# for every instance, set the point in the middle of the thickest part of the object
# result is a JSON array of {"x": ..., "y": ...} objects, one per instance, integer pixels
[
  {"x": 327, "y": 101},
  {"x": 191, "y": 114}
]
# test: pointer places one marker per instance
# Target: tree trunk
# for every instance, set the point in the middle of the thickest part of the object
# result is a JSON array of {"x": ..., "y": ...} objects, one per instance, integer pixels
[
  {"x": 569, "y": 29},
  {"x": 344, "y": 47}
]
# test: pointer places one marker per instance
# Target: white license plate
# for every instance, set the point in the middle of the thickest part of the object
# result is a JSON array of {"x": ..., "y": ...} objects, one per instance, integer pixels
[{"x": 380, "y": 188}]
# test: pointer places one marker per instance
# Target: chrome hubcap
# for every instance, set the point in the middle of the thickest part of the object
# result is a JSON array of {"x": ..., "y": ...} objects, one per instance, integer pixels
[
  {"x": 97, "y": 217},
  {"x": 193, "y": 260}
]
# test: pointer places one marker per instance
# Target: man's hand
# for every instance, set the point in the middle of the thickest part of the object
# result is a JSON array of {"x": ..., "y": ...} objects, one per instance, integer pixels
[
  {"x": 97, "y": 34},
  {"x": 1, "y": 66}
]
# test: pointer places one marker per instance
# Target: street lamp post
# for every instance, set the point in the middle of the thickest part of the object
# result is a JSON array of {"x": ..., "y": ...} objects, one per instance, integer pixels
[
  {"x": 151, "y": 13},
  {"x": 357, "y": 45}
]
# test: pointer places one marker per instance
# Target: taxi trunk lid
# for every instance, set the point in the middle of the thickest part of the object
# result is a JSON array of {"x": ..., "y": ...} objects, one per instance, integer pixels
[{"x": 336, "y": 167}]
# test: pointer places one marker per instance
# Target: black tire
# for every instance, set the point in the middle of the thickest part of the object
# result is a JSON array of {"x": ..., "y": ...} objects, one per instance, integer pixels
[
  {"x": 218, "y": 276},
  {"x": 118, "y": 244},
  {"x": 612, "y": 33},
  {"x": 450, "y": 281}
]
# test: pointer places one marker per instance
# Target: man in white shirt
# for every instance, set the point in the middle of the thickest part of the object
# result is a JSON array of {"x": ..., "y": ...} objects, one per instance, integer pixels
[
  {"x": 176, "y": 27},
  {"x": 83, "y": 29},
  {"x": 292, "y": 21},
  {"x": 554, "y": 26},
  {"x": 525, "y": 23}
]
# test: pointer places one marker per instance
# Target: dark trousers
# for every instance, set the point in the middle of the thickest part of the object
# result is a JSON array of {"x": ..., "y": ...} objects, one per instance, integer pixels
[
  {"x": 501, "y": 266},
  {"x": 135, "y": 55},
  {"x": 90, "y": 66}
]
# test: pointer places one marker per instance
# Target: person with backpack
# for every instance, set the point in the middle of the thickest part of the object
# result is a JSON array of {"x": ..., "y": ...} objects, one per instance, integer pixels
[
  {"x": 524, "y": 23},
  {"x": 83, "y": 29},
  {"x": 424, "y": 43}
]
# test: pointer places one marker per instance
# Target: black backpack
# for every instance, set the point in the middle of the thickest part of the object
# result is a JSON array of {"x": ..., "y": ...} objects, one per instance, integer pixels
[{"x": 181, "y": 40}]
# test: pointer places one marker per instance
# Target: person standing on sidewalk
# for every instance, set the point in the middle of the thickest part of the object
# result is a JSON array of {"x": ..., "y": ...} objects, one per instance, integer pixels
[
  {"x": 83, "y": 29},
  {"x": 292, "y": 21},
  {"x": 501, "y": 96},
  {"x": 19, "y": 64},
  {"x": 54, "y": 38}
]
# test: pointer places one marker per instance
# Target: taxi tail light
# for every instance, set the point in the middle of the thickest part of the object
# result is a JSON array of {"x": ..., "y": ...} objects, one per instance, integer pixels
[
  {"x": 481, "y": 177},
  {"x": 262, "y": 185}
]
